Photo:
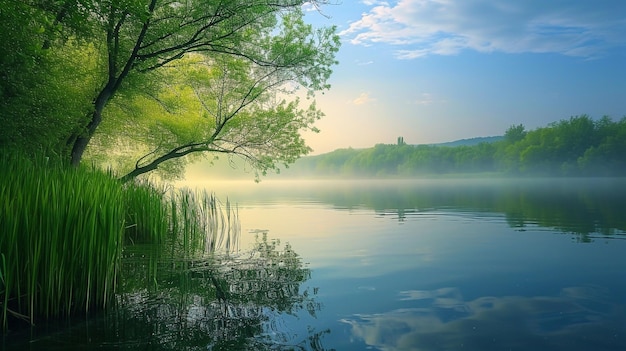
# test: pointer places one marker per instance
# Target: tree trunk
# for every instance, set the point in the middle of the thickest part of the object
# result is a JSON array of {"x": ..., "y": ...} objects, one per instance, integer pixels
[
  {"x": 115, "y": 79},
  {"x": 82, "y": 140}
]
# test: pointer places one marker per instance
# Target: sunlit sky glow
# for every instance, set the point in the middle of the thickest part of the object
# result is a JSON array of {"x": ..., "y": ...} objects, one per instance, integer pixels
[{"x": 441, "y": 70}]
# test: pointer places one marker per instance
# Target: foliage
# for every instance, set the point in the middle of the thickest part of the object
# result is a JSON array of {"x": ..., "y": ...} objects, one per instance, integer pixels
[
  {"x": 579, "y": 146},
  {"x": 225, "y": 106},
  {"x": 44, "y": 93},
  {"x": 515, "y": 133},
  {"x": 69, "y": 65}
]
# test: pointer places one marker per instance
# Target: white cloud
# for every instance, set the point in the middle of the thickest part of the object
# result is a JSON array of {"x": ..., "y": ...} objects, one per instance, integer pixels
[
  {"x": 374, "y": 2},
  {"x": 308, "y": 7},
  {"x": 363, "y": 98},
  {"x": 447, "y": 27}
]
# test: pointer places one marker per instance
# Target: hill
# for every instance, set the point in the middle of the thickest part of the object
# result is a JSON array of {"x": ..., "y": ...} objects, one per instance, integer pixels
[{"x": 470, "y": 141}]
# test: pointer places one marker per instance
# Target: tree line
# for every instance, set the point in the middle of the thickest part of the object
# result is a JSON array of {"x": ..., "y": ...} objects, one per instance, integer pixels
[{"x": 578, "y": 146}]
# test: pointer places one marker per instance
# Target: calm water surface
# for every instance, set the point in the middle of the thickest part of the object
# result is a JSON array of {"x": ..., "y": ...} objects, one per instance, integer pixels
[{"x": 386, "y": 265}]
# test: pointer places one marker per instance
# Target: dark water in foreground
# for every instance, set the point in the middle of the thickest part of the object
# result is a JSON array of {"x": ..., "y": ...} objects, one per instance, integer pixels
[{"x": 382, "y": 265}]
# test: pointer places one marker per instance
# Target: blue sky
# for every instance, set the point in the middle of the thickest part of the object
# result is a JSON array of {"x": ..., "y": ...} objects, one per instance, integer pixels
[{"x": 441, "y": 70}]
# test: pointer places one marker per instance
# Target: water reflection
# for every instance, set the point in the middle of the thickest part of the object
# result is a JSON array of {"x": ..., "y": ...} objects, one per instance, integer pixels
[
  {"x": 579, "y": 206},
  {"x": 217, "y": 302},
  {"x": 457, "y": 264},
  {"x": 222, "y": 303},
  {"x": 579, "y": 318}
]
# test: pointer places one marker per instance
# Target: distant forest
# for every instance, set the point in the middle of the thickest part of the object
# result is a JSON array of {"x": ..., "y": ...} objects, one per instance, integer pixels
[{"x": 579, "y": 146}]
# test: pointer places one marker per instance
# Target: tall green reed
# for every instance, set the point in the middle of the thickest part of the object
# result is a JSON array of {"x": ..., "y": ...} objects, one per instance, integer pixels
[
  {"x": 61, "y": 228},
  {"x": 195, "y": 221},
  {"x": 63, "y": 232},
  {"x": 201, "y": 223},
  {"x": 146, "y": 213}
]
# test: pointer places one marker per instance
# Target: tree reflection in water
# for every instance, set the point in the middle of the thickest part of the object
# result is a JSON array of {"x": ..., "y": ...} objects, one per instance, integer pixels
[{"x": 220, "y": 302}]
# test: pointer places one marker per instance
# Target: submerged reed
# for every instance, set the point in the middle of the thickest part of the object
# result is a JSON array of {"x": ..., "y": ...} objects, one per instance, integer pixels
[
  {"x": 63, "y": 231},
  {"x": 201, "y": 224}
]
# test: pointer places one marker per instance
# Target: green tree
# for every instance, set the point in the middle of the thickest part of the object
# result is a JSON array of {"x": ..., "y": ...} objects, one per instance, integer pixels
[
  {"x": 137, "y": 38},
  {"x": 608, "y": 155},
  {"x": 571, "y": 139},
  {"x": 222, "y": 105},
  {"x": 515, "y": 133},
  {"x": 44, "y": 91}
]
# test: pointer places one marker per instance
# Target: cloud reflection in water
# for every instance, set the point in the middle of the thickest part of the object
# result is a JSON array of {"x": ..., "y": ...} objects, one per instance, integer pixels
[{"x": 579, "y": 318}]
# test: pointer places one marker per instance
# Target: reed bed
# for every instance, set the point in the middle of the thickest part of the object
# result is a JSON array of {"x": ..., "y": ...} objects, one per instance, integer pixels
[
  {"x": 62, "y": 232},
  {"x": 146, "y": 213}
]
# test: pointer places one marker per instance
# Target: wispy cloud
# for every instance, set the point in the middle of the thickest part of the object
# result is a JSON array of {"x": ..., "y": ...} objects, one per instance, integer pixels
[
  {"x": 426, "y": 99},
  {"x": 364, "y": 63},
  {"x": 446, "y": 27},
  {"x": 362, "y": 99}
]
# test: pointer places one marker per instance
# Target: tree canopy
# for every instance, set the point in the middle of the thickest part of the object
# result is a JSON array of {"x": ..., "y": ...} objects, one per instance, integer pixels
[{"x": 167, "y": 78}]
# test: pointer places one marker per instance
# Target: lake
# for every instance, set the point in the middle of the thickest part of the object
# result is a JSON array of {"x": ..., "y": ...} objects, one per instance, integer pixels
[{"x": 439, "y": 264}]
